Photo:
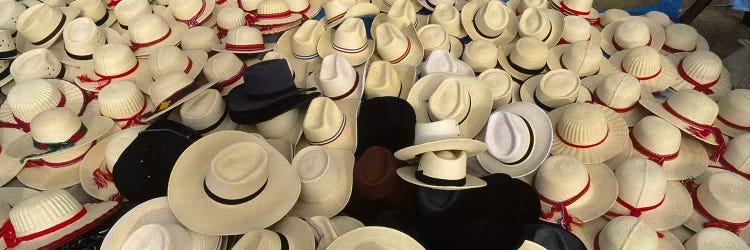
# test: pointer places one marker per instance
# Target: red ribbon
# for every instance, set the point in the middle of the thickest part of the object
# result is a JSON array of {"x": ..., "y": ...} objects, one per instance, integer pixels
[
  {"x": 564, "y": 8},
  {"x": 728, "y": 166},
  {"x": 221, "y": 32},
  {"x": 220, "y": 2},
  {"x": 673, "y": 50},
  {"x": 105, "y": 80},
  {"x": 281, "y": 15},
  {"x": 11, "y": 240},
  {"x": 42, "y": 163},
  {"x": 113, "y": 3},
  {"x": 658, "y": 158},
  {"x": 133, "y": 120},
  {"x": 622, "y": 67},
  {"x": 350, "y": 91},
  {"x": 189, "y": 65},
  {"x": 102, "y": 178},
  {"x": 713, "y": 221},
  {"x": 193, "y": 21},
  {"x": 135, "y": 46},
  {"x": 581, "y": 146},
  {"x": 595, "y": 22},
  {"x": 303, "y": 11},
  {"x": 231, "y": 80},
  {"x": 25, "y": 126},
  {"x": 617, "y": 46},
  {"x": 634, "y": 211},
  {"x": 705, "y": 88},
  {"x": 597, "y": 100},
  {"x": 250, "y": 19},
  {"x": 561, "y": 206},
  {"x": 700, "y": 130},
  {"x": 732, "y": 125},
  {"x": 249, "y": 47}
]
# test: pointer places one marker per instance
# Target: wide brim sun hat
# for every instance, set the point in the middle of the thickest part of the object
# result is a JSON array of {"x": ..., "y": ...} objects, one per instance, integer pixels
[
  {"x": 664, "y": 78},
  {"x": 614, "y": 141},
  {"x": 97, "y": 126},
  {"x": 376, "y": 238},
  {"x": 338, "y": 195},
  {"x": 655, "y": 30}
]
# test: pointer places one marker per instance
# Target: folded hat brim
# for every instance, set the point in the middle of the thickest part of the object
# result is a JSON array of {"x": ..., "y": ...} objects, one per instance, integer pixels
[
  {"x": 468, "y": 13},
  {"x": 599, "y": 198},
  {"x": 612, "y": 145},
  {"x": 528, "y": 89},
  {"x": 655, "y": 30},
  {"x": 97, "y": 127},
  {"x": 325, "y": 48},
  {"x": 359, "y": 9},
  {"x": 338, "y": 195},
  {"x": 654, "y": 105},
  {"x": 722, "y": 87},
  {"x": 471, "y": 146},
  {"x": 556, "y": 19}
]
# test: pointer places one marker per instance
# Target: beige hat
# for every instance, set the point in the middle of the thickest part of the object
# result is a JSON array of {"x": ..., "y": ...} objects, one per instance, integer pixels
[
  {"x": 543, "y": 24},
  {"x": 441, "y": 61},
  {"x": 326, "y": 181},
  {"x": 733, "y": 119},
  {"x": 441, "y": 170},
  {"x": 39, "y": 63},
  {"x": 169, "y": 59},
  {"x": 114, "y": 62},
  {"x": 441, "y": 96},
  {"x": 655, "y": 71},
  {"x": 681, "y": 37},
  {"x": 126, "y": 12},
  {"x": 249, "y": 6},
  {"x": 34, "y": 96},
  {"x": 124, "y": 103},
  {"x": 229, "y": 18},
  {"x": 631, "y": 32},
  {"x": 301, "y": 44},
  {"x": 327, "y": 230},
  {"x": 525, "y": 58},
  {"x": 578, "y": 193},
  {"x": 150, "y": 32},
  {"x": 172, "y": 90},
  {"x": 402, "y": 15},
  {"x": 448, "y": 17},
  {"x": 81, "y": 37},
  {"x": 286, "y": 126},
  {"x": 192, "y": 12},
  {"x": 530, "y": 245},
  {"x": 96, "y": 11},
  {"x": 385, "y": 79},
  {"x": 288, "y": 233},
  {"x": 331, "y": 125},
  {"x": 375, "y": 238},
  {"x": 481, "y": 55},
  {"x": 244, "y": 40},
  {"x": 338, "y": 80},
  {"x": 349, "y": 41},
  {"x": 41, "y": 25},
  {"x": 554, "y": 89},
  {"x": 576, "y": 29},
  {"x": 96, "y": 167},
  {"x": 434, "y": 37},
  {"x": 490, "y": 20},
  {"x": 337, "y": 11},
  {"x": 583, "y": 57},
  {"x": 591, "y": 133},
  {"x": 385, "y": 5},
  {"x": 629, "y": 232},
  {"x": 619, "y": 92},
  {"x": 307, "y": 8},
  {"x": 206, "y": 113},
  {"x": 225, "y": 68},
  {"x": 519, "y": 6},
  {"x": 611, "y": 15},
  {"x": 237, "y": 175},
  {"x": 681, "y": 157},
  {"x": 715, "y": 238},
  {"x": 580, "y": 8},
  {"x": 721, "y": 201},
  {"x": 682, "y": 233},
  {"x": 10, "y": 11},
  {"x": 504, "y": 90},
  {"x": 274, "y": 12},
  {"x": 443, "y": 135},
  {"x": 734, "y": 159},
  {"x": 399, "y": 46},
  {"x": 200, "y": 38},
  {"x": 659, "y": 18},
  {"x": 430, "y": 4},
  {"x": 702, "y": 71}
]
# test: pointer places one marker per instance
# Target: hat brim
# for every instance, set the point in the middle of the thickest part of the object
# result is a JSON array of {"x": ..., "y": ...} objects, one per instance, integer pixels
[
  {"x": 296, "y": 230},
  {"x": 191, "y": 205},
  {"x": 313, "y": 81},
  {"x": 528, "y": 88},
  {"x": 467, "y": 14},
  {"x": 199, "y": 58},
  {"x": 471, "y": 146},
  {"x": 284, "y": 47},
  {"x": 673, "y": 211},
  {"x": 691, "y": 162},
  {"x": 15, "y": 195},
  {"x": 588, "y": 233},
  {"x": 654, "y": 105},
  {"x": 222, "y": 48},
  {"x": 408, "y": 174},
  {"x": 253, "y": 116},
  {"x": 554, "y": 61},
  {"x": 632, "y": 116},
  {"x": 341, "y": 190},
  {"x": 178, "y": 29},
  {"x": 11, "y": 168},
  {"x": 503, "y": 51},
  {"x": 359, "y": 9},
  {"x": 293, "y": 17},
  {"x": 384, "y": 237},
  {"x": 238, "y": 101},
  {"x": 151, "y": 116},
  {"x": 24, "y": 45},
  {"x": 599, "y": 198},
  {"x": 664, "y": 80},
  {"x": 657, "y": 33},
  {"x": 141, "y": 77},
  {"x": 325, "y": 48},
  {"x": 556, "y": 19},
  {"x": 612, "y": 145},
  {"x": 97, "y": 127},
  {"x": 722, "y": 87}
]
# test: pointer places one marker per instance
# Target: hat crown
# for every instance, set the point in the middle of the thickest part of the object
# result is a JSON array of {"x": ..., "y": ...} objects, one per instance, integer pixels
[
  {"x": 439, "y": 61},
  {"x": 186, "y": 9},
  {"x": 558, "y": 87},
  {"x": 703, "y": 66},
  {"x": 231, "y": 17},
  {"x": 6, "y": 41},
  {"x": 382, "y": 80},
  {"x": 36, "y": 63},
  {"x": 738, "y": 153},
  {"x": 38, "y": 21},
  {"x": 492, "y": 18},
  {"x": 305, "y": 40},
  {"x": 480, "y": 55},
  {"x": 436, "y": 131},
  {"x": 203, "y": 110},
  {"x": 658, "y": 17},
  {"x": 90, "y": 8},
  {"x": 508, "y": 136},
  {"x": 280, "y": 125},
  {"x": 244, "y": 35},
  {"x": 43, "y": 211},
  {"x": 523, "y": 5},
  {"x": 166, "y": 86},
  {"x": 643, "y": 61},
  {"x": 529, "y": 53},
  {"x": 315, "y": 170},
  {"x": 642, "y": 183},
  {"x": 148, "y": 28},
  {"x": 627, "y": 232},
  {"x": 582, "y": 57},
  {"x": 262, "y": 239},
  {"x": 694, "y": 105},
  {"x": 501, "y": 85},
  {"x": 267, "y": 77},
  {"x": 268, "y": 7},
  {"x": 401, "y": 14},
  {"x": 250, "y": 5},
  {"x": 610, "y": 15},
  {"x": 724, "y": 196},
  {"x": 334, "y": 8},
  {"x": 632, "y": 33},
  {"x": 561, "y": 177},
  {"x": 128, "y": 10},
  {"x": 619, "y": 90},
  {"x": 238, "y": 170},
  {"x": 167, "y": 59},
  {"x": 324, "y": 120},
  {"x": 433, "y": 36},
  {"x": 444, "y": 165},
  {"x": 735, "y": 106},
  {"x": 337, "y": 76},
  {"x": 583, "y": 124},
  {"x": 350, "y": 34},
  {"x": 32, "y": 97},
  {"x": 575, "y": 29},
  {"x": 113, "y": 59},
  {"x": 298, "y": 5},
  {"x": 715, "y": 238},
  {"x": 199, "y": 38},
  {"x": 376, "y": 167},
  {"x": 681, "y": 36},
  {"x": 9, "y": 12},
  {"x": 451, "y": 100},
  {"x": 534, "y": 23},
  {"x": 55, "y": 125},
  {"x": 81, "y": 36},
  {"x": 392, "y": 43},
  {"x": 222, "y": 66},
  {"x": 657, "y": 135},
  {"x": 152, "y": 236},
  {"x": 121, "y": 99},
  {"x": 118, "y": 143}
]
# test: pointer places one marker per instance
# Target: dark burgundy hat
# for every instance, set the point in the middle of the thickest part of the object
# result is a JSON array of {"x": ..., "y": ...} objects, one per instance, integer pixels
[
  {"x": 387, "y": 122},
  {"x": 376, "y": 185}
]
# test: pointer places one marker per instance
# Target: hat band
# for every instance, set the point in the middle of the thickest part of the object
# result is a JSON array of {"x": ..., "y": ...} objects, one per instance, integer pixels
[
  {"x": 61, "y": 74},
  {"x": 462, "y": 119},
  {"x": 102, "y": 178},
  {"x": 646, "y": 78},
  {"x": 113, "y": 3},
  {"x": 733, "y": 227},
  {"x": 563, "y": 41},
  {"x": 557, "y": 133},
  {"x": 699, "y": 130},
  {"x": 634, "y": 211},
  {"x": 350, "y": 91},
  {"x": 37, "y": 163},
  {"x": 732, "y": 125},
  {"x": 479, "y": 31},
  {"x": 9, "y": 232},
  {"x": 420, "y": 176},
  {"x": 105, "y": 80},
  {"x": 562, "y": 207},
  {"x": 406, "y": 52},
  {"x": 231, "y": 80},
  {"x": 25, "y": 126},
  {"x": 658, "y": 158},
  {"x": 224, "y": 201},
  {"x": 702, "y": 87},
  {"x": 599, "y": 101},
  {"x": 542, "y": 105},
  {"x": 618, "y": 47},
  {"x": 57, "y": 146},
  {"x": 193, "y": 21},
  {"x": 246, "y": 47},
  {"x": 334, "y": 18},
  {"x": 523, "y": 70},
  {"x": 189, "y": 66},
  {"x": 596, "y": 238},
  {"x": 102, "y": 20},
  {"x": 79, "y": 57},
  {"x": 350, "y": 51},
  {"x": 177, "y": 96},
  {"x": 133, "y": 120},
  {"x": 220, "y": 2},
  {"x": 280, "y": 15},
  {"x": 304, "y": 11},
  {"x": 54, "y": 32},
  {"x": 8, "y": 54},
  {"x": 305, "y": 58},
  {"x": 529, "y": 149},
  {"x": 728, "y": 166},
  {"x": 221, "y": 32},
  {"x": 134, "y": 46},
  {"x": 334, "y": 137},
  {"x": 565, "y": 9},
  {"x": 123, "y": 26},
  {"x": 5, "y": 73},
  {"x": 669, "y": 49},
  {"x": 215, "y": 125}
]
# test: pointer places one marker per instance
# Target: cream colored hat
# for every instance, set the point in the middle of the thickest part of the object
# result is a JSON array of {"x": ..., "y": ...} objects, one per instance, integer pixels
[
  {"x": 326, "y": 181},
  {"x": 237, "y": 175},
  {"x": 229, "y": 18},
  {"x": 481, "y": 55},
  {"x": 8, "y": 49},
  {"x": 441, "y": 170},
  {"x": 690, "y": 111},
  {"x": 591, "y": 133},
  {"x": 434, "y": 37},
  {"x": 543, "y": 24},
  {"x": 206, "y": 113},
  {"x": 629, "y": 232},
  {"x": 681, "y": 37},
  {"x": 610, "y": 15},
  {"x": 581, "y": 8},
  {"x": 655, "y": 71},
  {"x": 519, "y": 6},
  {"x": 525, "y": 58},
  {"x": 448, "y": 17},
  {"x": 81, "y": 37},
  {"x": 441, "y": 135},
  {"x": 441, "y": 61},
  {"x": 114, "y": 62},
  {"x": 200, "y": 38},
  {"x": 275, "y": 12},
  {"x": 402, "y": 15},
  {"x": 702, "y": 71},
  {"x": 150, "y": 32},
  {"x": 41, "y": 25},
  {"x": 96, "y": 11},
  {"x": 192, "y": 12},
  {"x": 734, "y": 159},
  {"x": 327, "y": 230},
  {"x": 96, "y": 167},
  {"x": 244, "y": 40},
  {"x": 337, "y": 11},
  {"x": 681, "y": 157},
  {"x": 631, "y": 32},
  {"x": 34, "y": 96},
  {"x": 619, "y": 92},
  {"x": 715, "y": 238},
  {"x": 338, "y": 80},
  {"x": 349, "y": 40},
  {"x": 124, "y": 103},
  {"x": 399, "y": 46},
  {"x": 554, "y": 89},
  {"x": 572, "y": 193},
  {"x": 659, "y": 18},
  {"x": 249, "y": 6},
  {"x": 733, "y": 119},
  {"x": 169, "y": 59},
  {"x": 301, "y": 44},
  {"x": 504, "y": 90},
  {"x": 490, "y": 20},
  {"x": 126, "y": 11},
  {"x": 443, "y": 96},
  {"x": 430, "y": 4},
  {"x": 528, "y": 129},
  {"x": 576, "y": 29},
  {"x": 376, "y": 238},
  {"x": 385, "y": 79},
  {"x": 583, "y": 57},
  {"x": 721, "y": 201},
  {"x": 225, "y": 68},
  {"x": 286, "y": 126},
  {"x": 385, "y": 5},
  {"x": 288, "y": 233},
  {"x": 152, "y": 224},
  {"x": 172, "y": 90},
  {"x": 308, "y": 9},
  {"x": 10, "y": 11},
  {"x": 331, "y": 126},
  {"x": 39, "y": 63}
]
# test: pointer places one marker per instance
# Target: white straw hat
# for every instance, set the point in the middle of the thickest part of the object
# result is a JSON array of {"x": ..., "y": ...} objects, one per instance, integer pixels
[
  {"x": 385, "y": 5},
  {"x": 206, "y": 113},
  {"x": 448, "y": 17},
  {"x": 326, "y": 176},
  {"x": 172, "y": 90},
  {"x": 631, "y": 32},
  {"x": 399, "y": 46},
  {"x": 434, "y": 37},
  {"x": 226, "y": 69},
  {"x": 481, "y": 55},
  {"x": 591, "y": 133},
  {"x": 441, "y": 61},
  {"x": 349, "y": 40},
  {"x": 124, "y": 103},
  {"x": 554, "y": 89},
  {"x": 331, "y": 126},
  {"x": 39, "y": 63},
  {"x": 192, "y": 12},
  {"x": 286, "y": 126},
  {"x": 114, "y": 62},
  {"x": 327, "y": 230},
  {"x": 576, "y": 29},
  {"x": 619, "y": 92},
  {"x": 703, "y": 71},
  {"x": 237, "y": 175},
  {"x": 337, "y": 79},
  {"x": 655, "y": 71},
  {"x": 734, "y": 159},
  {"x": 733, "y": 119},
  {"x": 126, "y": 11},
  {"x": 244, "y": 40},
  {"x": 96, "y": 167},
  {"x": 519, "y": 6},
  {"x": 376, "y": 238},
  {"x": 200, "y": 38},
  {"x": 529, "y": 132},
  {"x": 35, "y": 96},
  {"x": 525, "y": 58},
  {"x": 402, "y": 15},
  {"x": 150, "y": 32},
  {"x": 385, "y": 79},
  {"x": 275, "y": 12},
  {"x": 249, "y": 6},
  {"x": 504, "y": 90},
  {"x": 721, "y": 201},
  {"x": 81, "y": 37},
  {"x": 301, "y": 44},
  {"x": 681, "y": 37},
  {"x": 288, "y": 233},
  {"x": 11, "y": 10},
  {"x": 441, "y": 135},
  {"x": 583, "y": 57},
  {"x": 659, "y": 18},
  {"x": 581, "y": 8},
  {"x": 682, "y": 157},
  {"x": 96, "y": 11},
  {"x": 715, "y": 238},
  {"x": 629, "y": 232},
  {"x": 441, "y": 170},
  {"x": 169, "y": 59},
  {"x": 337, "y": 11},
  {"x": 307, "y": 8},
  {"x": 41, "y": 25},
  {"x": 543, "y": 24},
  {"x": 490, "y": 20},
  {"x": 610, "y": 15},
  {"x": 690, "y": 111}
]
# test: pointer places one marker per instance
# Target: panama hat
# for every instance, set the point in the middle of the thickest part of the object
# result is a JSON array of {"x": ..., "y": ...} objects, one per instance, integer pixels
[
  {"x": 39, "y": 63},
  {"x": 431, "y": 4},
  {"x": 169, "y": 59},
  {"x": 399, "y": 46},
  {"x": 330, "y": 229},
  {"x": 331, "y": 125},
  {"x": 41, "y": 25},
  {"x": 490, "y": 20},
  {"x": 226, "y": 69},
  {"x": 504, "y": 89},
  {"x": 733, "y": 110},
  {"x": 11, "y": 10},
  {"x": 208, "y": 160},
  {"x": 206, "y": 113},
  {"x": 386, "y": 122},
  {"x": 301, "y": 44},
  {"x": 434, "y": 37},
  {"x": 543, "y": 24},
  {"x": 628, "y": 232},
  {"x": 583, "y": 57},
  {"x": 554, "y": 89},
  {"x": 326, "y": 176},
  {"x": 172, "y": 90},
  {"x": 286, "y": 126},
  {"x": 402, "y": 15},
  {"x": 96, "y": 11},
  {"x": 337, "y": 11},
  {"x": 192, "y": 12},
  {"x": 81, "y": 37},
  {"x": 150, "y": 32},
  {"x": 442, "y": 135},
  {"x": 288, "y": 233},
  {"x": 448, "y": 17},
  {"x": 127, "y": 11},
  {"x": 349, "y": 40},
  {"x": 375, "y": 237},
  {"x": 200, "y": 38},
  {"x": 586, "y": 192},
  {"x": 519, "y": 6},
  {"x": 377, "y": 187},
  {"x": 655, "y": 71},
  {"x": 681, "y": 37},
  {"x": 710, "y": 238},
  {"x": 114, "y": 62},
  {"x": 96, "y": 167},
  {"x": 481, "y": 55},
  {"x": 681, "y": 157},
  {"x": 580, "y": 8},
  {"x": 530, "y": 130},
  {"x": 124, "y": 103},
  {"x": 525, "y": 58},
  {"x": 619, "y": 92},
  {"x": 720, "y": 201},
  {"x": 576, "y": 29},
  {"x": 7, "y": 45},
  {"x": 274, "y": 12},
  {"x": 442, "y": 61},
  {"x": 591, "y": 133},
  {"x": 338, "y": 80},
  {"x": 703, "y": 71},
  {"x": 244, "y": 40},
  {"x": 443, "y": 96},
  {"x": 34, "y": 96},
  {"x": 631, "y": 32},
  {"x": 385, "y": 79},
  {"x": 307, "y": 8}
]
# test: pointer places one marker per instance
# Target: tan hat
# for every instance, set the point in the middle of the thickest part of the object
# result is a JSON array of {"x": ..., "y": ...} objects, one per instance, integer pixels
[
  {"x": 443, "y": 135},
  {"x": 434, "y": 37},
  {"x": 734, "y": 159},
  {"x": 96, "y": 11},
  {"x": 307, "y": 8},
  {"x": 631, "y": 32},
  {"x": 34, "y": 96},
  {"x": 441, "y": 61},
  {"x": 490, "y": 20},
  {"x": 96, "y": 167},
  {"x": 611, "y": 15},
  {"x": 81, "y": 37},
  {"x": 580, "y": 8},
  {"x": 11, "y": 10},
  {"x": 124, "y": 103},
  {"x": 441, "y": 170},
  {"x": 399, "y": 45},
  {"x": 169, "y": 59},
  {"x": 301, "y": 44},
  {"x": 114, "y": 62},
  {"x": 150, "y": 32},
  {"x": 126, "y": 11},
  {"x": 619, "y": 92},
  {"x": 200, "y": 38},
  {"x": 337, "y": 11},
  {"x": 206, "y": 113},
  {"x": 481, "y": 55},
  {"x": 244, "y": 40},
  {"x": 519, "y": 6},
  {"x": 385, "y": 5},
  {"x": 331, "y": 126},
  {"x": 443, "y": 96},
  {"x": 715, "y": 238},
  {"x": 385, "y": 79},
  {"x": 229, "y": 18},
  {"x": 681, "y": 157},
  {"x": 576, "y": 29},
  {"x": 583, "y": 57},
  {"x": 225, "y": 68},
  {"x": 327, "y": 230},
  {"x": 733, "y": 119},
  {"x": 681, "y": 37},
  {"x": 504, "y": 90},
  {"x": 39, "y": 63},
  {"x": 448, "y": 17},
  {"x": 376, "y": 238},
  {"x": 41, "y": 25},
  {"x": 721, "y": 201},
  {"x": 172, "y": 90},
  {"x": 349, "y": 40},
  {"x": 237, "y": 175},
  {"x": 655, "y": 71},
  {"x": 659, "y": 18},
  {"x": 288, "y": 233},
  {"x": 525, "y": 58},
  {"x": 274, "y": 12},
  {"x": 543, "y": 24},
  {"x": 286, "y": 126},
  {"x": 629, "y": 232},
  {"x": 402, "y": 15},
  {"x": 249, "y": 6},
  {"x": 572, "y": 193},
  {"x": 338, "y": 80},
  {"x": 591, "y": 133},
  {"x": 326, "y": 181},
  {"x": 192, "y": 12},
  {"x": 703, "y": 71},
  {"x": 554, "y": 89}
]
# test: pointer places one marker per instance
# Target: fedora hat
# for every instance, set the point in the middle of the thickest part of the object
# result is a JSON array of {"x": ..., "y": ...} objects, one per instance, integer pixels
[
  {"x": 402, "y": 15},
  {"x": 434, "y": 37},
  {"x": 298, "y": 69},
  {"x": 680, "y": 37},
  {"x": 41, "y": 25},
  {"x": 586, "y": 193},
  {"x": 270, "y": 186},
  {"x": 124, "y": 103},
  {"x": 206, "y": 113},
  {"x": 81, "y": 37},
  {"x": 172, "y": 90},
  {"x": 583, "y": 57},
  {"x": 376, "y": 186},
  {"x": 307, "y": 8},
  {"x": 530, "y": 130},
  {"x": 170, "y": 59},
  {"x": 399, "y": 46},
  {"x": 330, "y": 229},
  {"x": 192, "y": 12},
  {"x": 226, "y": 69},
  {"x": 301, "y": 44},
  {"x": 96, "y": 167},
  {"x": 288, "y": 233},
  {"x": 576, "y": 29},
  {"x": 702, "y": 71},
  {"x": 385, "y": 79},
  {"x": 525, "y": 58},
  {"x": 481, "y": 55},
  {"x": 386, "y": 122},
  {"x": 35, "y": 96},
  {"x": 113, "y": 62},
  {"x": 710, "y": 237},
  {"x": 138, "y": 226},
  {"x": 337, "y": 11},
  {"x": 543, "y": 24},
  {"x": 732, "y": 118},
  {"x": 628, "y": 232},
  {"x": 349, "y": 40},
  {"x": 286, "y": 126},
  {"x": 645, "y": 192},
  {"x": 275, "y": 12},
  {"x": 52, "y": 218},
  {"x": 504, "y": 89},
  {"x": 554, "y": 89},
  {"x": 8, "y": 49},
  {"x": 200, "y": 38},
  {"x": 376, "y": 237},
  {"x": 96, "y": 10},
  {"x": 681, "y": 157},
  {"x": 631, "y": 32},
  {"x": 244, "y": 40},
  {"x": 442, "y": 61},
  {"x": 11, "y": 10},
  {"x": 619, "y": 92},
  {"x": 39, "y": 63},
  {"x": 127, "y": 12},
  {"x": 431, "y": 4},
  {"x": 591, "y": 133},
  {"x": 149, "y": 32},
  {"x": 655, "y": 71},
  {"x": 490, "y": 20},
  {"x": 448, "y": 17},
  {"x": 331, "y": 125},
  {"x": 442, "y": 135},
  {"x": 338, "y": 80},
  {"x": 326, "y": 181},
  {"x": 519, "y": 6},
  {"x": 440, "y": 96},
  {"x": 720, "y": 202}
]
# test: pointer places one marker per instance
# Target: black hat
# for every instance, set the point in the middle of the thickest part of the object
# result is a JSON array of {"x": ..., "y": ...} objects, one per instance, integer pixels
[
  {"x": 387, "y": 122},
  {"x": 275, "y": 109},
  {"x": 552, "y": 236},
  {"x": 142, "y": 171}
]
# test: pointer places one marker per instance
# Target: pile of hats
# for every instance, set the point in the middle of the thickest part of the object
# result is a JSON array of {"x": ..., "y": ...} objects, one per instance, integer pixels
[{"x": 356, "y": 124}]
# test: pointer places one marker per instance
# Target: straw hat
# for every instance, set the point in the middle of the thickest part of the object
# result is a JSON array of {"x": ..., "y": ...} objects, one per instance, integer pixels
[
  {"x": 591, "y": 133},
  {"x": 733, "y": 109},
  {"x": 96, "y": 167},
  {"x": 402, "y": 15},
  {"x": 490, "y": 20},
  {"x": 124, "y": 103},
  {"x": 349, "y": 40},
  {"x": 529, "y": 130},
  {"x": 681, "y": 157},
  {"x": 337, "y": 11},
  {"x": 41, "y": 25},
  {"x": 443, "y": 96},
  {"x": 441, "y": 61},
  {"x": 504, "y": 90},
  {"x": 583, "y": 57},
  {"x": 229, "y": 18},
  {"x": 126, "y": 11},
  {"x": 629, "y": 232},
  {"x": 434, "y": 37},
  {"x": 690, "y": 111},
  {"x": 301, "y": 44},
  {"x": 80, "y": 39},
  {"x": 226, "y": 69},
  {"x": 288, "y": 233},
  {"x": 585, "y": 193},
  {"x": 734, "y": 159},
  {"x": 114, "y": 62},
  {"x": 703, "y": 71},
  {"x": 34, "y": 96},
  {"x": 96, "y": 11},
  {"x": 200, "y": 38},
  {"x": 172, "y": 90},
  {"x": 715, "y": 238},
  {"x": 249, "y": 6},
  {"x": 244, "y": 40},
  {"x": 721, "y": 201},
  {"x": 269, "y": 186},
  {"x": 481, "y": 55},
  {"x": 581, "y": 8},
  {"x": 385, "y": 5},
  {"x": 338, "y": 80},
  {"x": 5, "y": 76},
  {"x": 578, "y": 29},
  {"x": 329, "y": 230},
  {"x": 399, "y": 46},
  {"x": 631, "y": 32},
  {"x": 519, "y": 6},
  {"x": 385, "y": 79},
  {"x": 286, "y": 126},
  {"x": 448, "y": 17},
  {"x": 307, "y": 8},
  {"x": 619, "y": 92},
  {"x": 375, "y": 237},
  {"x": 331, "y": 126},
  {"x": 442, "y": 135},
  {"x": 206, "y": 113},
  {"x": 7, "y": 46},
  {"x": 611, "y": 15},
  {"x": 39, "y": 63},
  {"x": 150, "y": 32},
  {"x": 170, "y": 59},
  {"x": 11, "y": 10},
  {"x": 659, "y": 18},
  {"x": 274, "y": 12},
  {"x": 682, "y": 38},
  {"x": 543, "y": 24},
  {"x": 655, "y": 71},
  {"x": 192, "y": 12},
  {"x": 326, "y": 181},
  {"x": 554, "y": 89},
  {"x": 525, "y": 58}
]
